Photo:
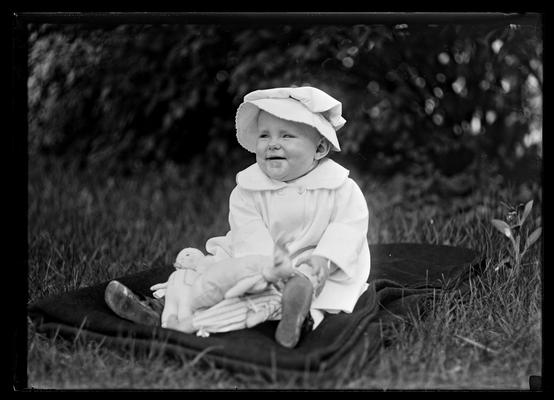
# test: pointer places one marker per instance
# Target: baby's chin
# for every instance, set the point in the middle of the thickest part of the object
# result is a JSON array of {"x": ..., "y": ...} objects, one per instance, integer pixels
[
  {"x": 281, "y": 170},
  {"x": 277, "y": 170},
  {"x": 276, "y": 174}
]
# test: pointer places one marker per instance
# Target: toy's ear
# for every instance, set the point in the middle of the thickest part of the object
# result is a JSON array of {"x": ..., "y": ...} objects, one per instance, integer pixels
[{"x": 282, "y": 262}]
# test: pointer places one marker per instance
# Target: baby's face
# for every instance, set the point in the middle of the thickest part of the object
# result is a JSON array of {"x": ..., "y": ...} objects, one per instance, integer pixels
[{"x": 286, "y": 150}]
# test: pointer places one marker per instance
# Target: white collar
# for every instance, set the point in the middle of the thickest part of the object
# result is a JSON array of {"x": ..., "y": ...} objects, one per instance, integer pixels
[{"x": 327, "y": 175}]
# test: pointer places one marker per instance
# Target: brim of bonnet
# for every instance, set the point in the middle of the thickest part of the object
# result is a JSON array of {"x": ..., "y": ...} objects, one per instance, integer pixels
[{"x": 246, "y": 120}]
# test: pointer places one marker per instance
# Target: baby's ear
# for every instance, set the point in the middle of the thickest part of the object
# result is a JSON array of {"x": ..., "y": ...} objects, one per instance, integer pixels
[{"x": 323, "y": 148}]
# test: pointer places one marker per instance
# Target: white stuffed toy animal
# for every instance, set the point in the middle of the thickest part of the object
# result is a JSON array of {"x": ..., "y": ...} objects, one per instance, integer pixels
[
  {"x": 200, "y": 282},
  {"x": 188, "y": 259}
]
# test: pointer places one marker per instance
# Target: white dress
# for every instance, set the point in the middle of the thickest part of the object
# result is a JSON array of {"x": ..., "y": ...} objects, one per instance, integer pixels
[{"x": 323, "y": 212}]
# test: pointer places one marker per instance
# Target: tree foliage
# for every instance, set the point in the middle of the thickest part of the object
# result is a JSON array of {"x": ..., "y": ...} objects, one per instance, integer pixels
[{"x": 415, "y": 100}]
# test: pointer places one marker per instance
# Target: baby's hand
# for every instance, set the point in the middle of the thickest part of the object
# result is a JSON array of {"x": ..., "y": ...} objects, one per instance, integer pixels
[
  {"x": 320, "y": 267},
  {"x": 319, "y": 270}
]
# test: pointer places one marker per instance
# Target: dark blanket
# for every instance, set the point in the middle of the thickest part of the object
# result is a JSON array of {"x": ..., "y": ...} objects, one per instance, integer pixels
[{"x": 402, "y": 277}]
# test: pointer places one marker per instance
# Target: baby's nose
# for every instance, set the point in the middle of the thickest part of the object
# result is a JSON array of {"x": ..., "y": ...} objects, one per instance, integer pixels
[{"x": 274, "y": 144}]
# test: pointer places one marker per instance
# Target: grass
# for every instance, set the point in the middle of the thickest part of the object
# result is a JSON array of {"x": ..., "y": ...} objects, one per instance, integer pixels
[{"x": 86, "y": 227}]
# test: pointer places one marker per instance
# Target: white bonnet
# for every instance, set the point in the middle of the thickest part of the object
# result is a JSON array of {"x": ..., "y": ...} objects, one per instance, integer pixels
[{"x": 304, "y": 104}]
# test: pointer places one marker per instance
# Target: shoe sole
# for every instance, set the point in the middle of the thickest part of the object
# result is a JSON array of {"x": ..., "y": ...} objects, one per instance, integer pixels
[
  {"x": 127, "y": 305},
  {"x": 297, "y": 299}
]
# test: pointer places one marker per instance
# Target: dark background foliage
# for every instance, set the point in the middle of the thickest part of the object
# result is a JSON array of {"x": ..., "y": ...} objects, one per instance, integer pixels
[{"x": 438, "y": 101}]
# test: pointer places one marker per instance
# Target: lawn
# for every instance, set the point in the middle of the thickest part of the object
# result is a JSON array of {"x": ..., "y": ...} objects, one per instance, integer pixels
[{"x": 86, "y": 227}]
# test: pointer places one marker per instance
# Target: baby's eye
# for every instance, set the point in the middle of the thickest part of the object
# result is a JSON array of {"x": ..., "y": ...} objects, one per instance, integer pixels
[
  {"x": 288, "y": 135},
  {"x": 263, "y": 135}
]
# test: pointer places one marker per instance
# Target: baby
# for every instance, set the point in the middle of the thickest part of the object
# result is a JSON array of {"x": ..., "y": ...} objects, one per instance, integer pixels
[{"x": 294, "y": 194}]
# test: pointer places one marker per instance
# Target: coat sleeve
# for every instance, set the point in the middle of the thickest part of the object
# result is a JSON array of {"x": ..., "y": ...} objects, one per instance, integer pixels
[
  {"x": 250, "y": 234},
  {"x": 343, "y": 239}
]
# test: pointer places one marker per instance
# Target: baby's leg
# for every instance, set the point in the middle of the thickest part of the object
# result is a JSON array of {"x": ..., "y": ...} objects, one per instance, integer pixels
[
  {"x": 128, "y": 305},
  {"x": 156, "y": 304},
  {"x": 297, "y": 299}
]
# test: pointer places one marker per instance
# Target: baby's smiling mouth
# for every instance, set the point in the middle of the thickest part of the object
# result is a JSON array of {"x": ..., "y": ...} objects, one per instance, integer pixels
[{"x": 274, "y": 158}]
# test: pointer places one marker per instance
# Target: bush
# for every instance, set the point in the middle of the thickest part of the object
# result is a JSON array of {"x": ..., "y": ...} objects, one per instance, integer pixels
[{"x": 416, "y": 101}]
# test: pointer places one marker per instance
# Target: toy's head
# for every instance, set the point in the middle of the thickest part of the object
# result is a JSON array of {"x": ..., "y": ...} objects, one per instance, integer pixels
[{"x": 188, "y": 258}]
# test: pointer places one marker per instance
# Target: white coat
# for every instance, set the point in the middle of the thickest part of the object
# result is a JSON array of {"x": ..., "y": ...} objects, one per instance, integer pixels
[{"x": 323, "y": 212}]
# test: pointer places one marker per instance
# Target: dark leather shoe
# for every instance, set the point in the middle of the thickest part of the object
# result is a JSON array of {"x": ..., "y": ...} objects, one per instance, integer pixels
[
  {"x": 296, "y": 302},
  {"x": 128, "y": 305}
]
